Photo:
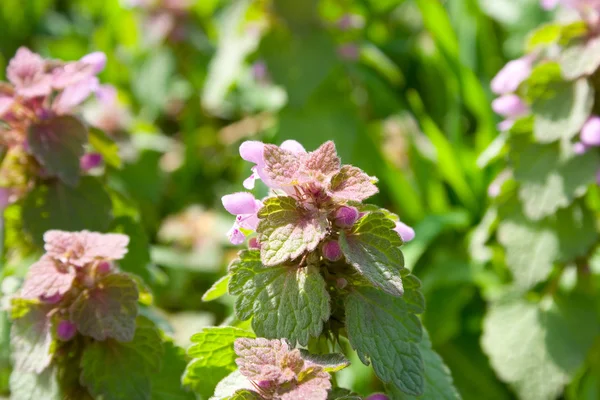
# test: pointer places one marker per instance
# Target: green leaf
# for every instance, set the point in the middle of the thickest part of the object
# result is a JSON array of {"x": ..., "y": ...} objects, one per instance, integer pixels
[
  {"x": 285, "y": 302},
  {"x": 108, "y": 310},
  {"x": 385, "y": 331},
  {"x": 57, "y": 144},
  {"x": 531, "y": 249},
  {"x": 245, "y": 394},
  {"x": 544, "y": 35},
  {"x": 114, "y": 370},
  {"x": 213, "y": 358},
  {"x": 550, "y": 180},
  {"x": 167, "y": 385},
  {"x": 329, "y": 362},
  {"x": 562, "y": 111},
  {"x": 286, "y": 230},
  {"x": 31, "y": 340},
  {"x": 581, "y": 59},
  {"x": 105, "y": 146},
  {"x": 233, "y": 384},
  {"x": 577, "y": 233},
  {"x": 35, "y": 386},
  {"x": 218, "y": 289},
  {"x": 438, "y": 379},
  {"x": 372, "y": 247},
  {"x": 536, "y": 348},
  {"x": 57, "y": 206},
  {"x": 342, "y": 394}
]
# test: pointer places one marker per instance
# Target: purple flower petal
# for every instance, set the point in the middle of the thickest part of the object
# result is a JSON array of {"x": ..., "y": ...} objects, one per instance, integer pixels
[
  {"x": 346, "y": 216},
  {"x": 5, "y": 105},
  {"x": 579, "y": 148},
  {"x": 510, "y": 105},
  {"x": 97, "y": 60},
  {"x": 293, "y": 146},
  {"x": 74, "y": 95},
  {"x": 236, "y": 236},
  {"x": 66, "y": 330},
  {"x": 27, "y": 72},
  {"x": 332, "y": 250},
  {"x": 512, "y": 75},
  {"x": 240, "y": 203},
  {"x": 590, "y": 133},
  {"x": 506, "y": 125},
  {"x": 252, "y": 151},
  {"x": 90, "y": 161},
  {"x": 406, "y": 232}
]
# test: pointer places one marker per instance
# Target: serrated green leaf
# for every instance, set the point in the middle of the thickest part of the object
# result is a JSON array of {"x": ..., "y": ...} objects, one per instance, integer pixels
[
  {"x": 438, "y": 379},
  {"x": 31, "y": 340},
  {"x": 328, "y": 362},
  {"x": 57, "y": 206},
  {"x": 286, "y": 230},
  {"x": 550, "y": 180},
  {"x": 35, "y": 386},
  {"x": 285, "y": 302},
  {"x": 218, "y": 289},
  {"x": 57, "y": 144},
  {"x": 105, "y": 146},
  {"x": 562, "y": 111},
  {"x": 536, "y": 348},
  {"x": 108, "y": 310},
  {"x": 385, "y": 331},
  {"x": 114, "y": 370},
  {"x": 372, "y": 247},
  {"x": 167, "y": 385},
  {"x": 213, "y": 358}
]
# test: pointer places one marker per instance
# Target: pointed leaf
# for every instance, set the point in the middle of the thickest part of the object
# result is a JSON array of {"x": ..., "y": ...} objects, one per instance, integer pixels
[
  {"x": 31, "y": 340},
  {"x": 105, "y": 146},
  {"x": 233, "y": 384},
  {"x": 281, "y": 166},
  {"x": 35, "y": 386},
  {"x": 385, "y": 331},
  {"x": 213, "y": 358},
  {"x": 581, "y": 59},
  {"x": 218, "y": 289},
  {"x": 114, "y": 370},
  {"x": 285, "y": 302},
  {"x": 167, "y": 385},
  {"x": 372, "y": 247},
  {"x": 286, "y": 230},
  {"x": 57, "y": 144},
  {"x": 109, "y": 310},
  {"x": 323, "y": 160},
  {"x": 46, "y": 278},
  {"x": 328, "y": 362},
  {"x": 352, "y": 184}
]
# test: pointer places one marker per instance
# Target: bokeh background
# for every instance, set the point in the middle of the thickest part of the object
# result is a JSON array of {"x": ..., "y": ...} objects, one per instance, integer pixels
[{"x": 402, "y": 87}]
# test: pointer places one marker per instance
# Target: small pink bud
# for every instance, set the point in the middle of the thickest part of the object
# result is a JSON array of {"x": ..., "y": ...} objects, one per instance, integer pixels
[
  {"x": 332, "y": 250},
  {"x": 97, "y": 60},
  {"x": 341, "y": 283},
  {"x": 240, "y": 203},
  {"x": 510, "y": 105},
  {"x": 512, "y": 75},
  {"x": 346, "y": 216},
  {"x": 90, "y": 160},
  {"x": 579, "y": 148},
  {"x": 378, "y": 396},
  {"x": 252, "y": 150},
  {"x": 549, "y": 4},
  {"x": 590, "y": 133},
  {"x": 264, "y": 384},
  {"x": 55, "y": 298},
  {"x": 349, "y": 51},
  {"x": 406, "y": 232},
  {"x": 66, "y": 330},
  {"x": 254, "y": 244},
  {"x": 103, "y": 267}
]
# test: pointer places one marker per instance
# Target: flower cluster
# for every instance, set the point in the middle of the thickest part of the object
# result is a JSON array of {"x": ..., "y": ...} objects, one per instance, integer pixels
[
  {"x": 36, "y": 108},
  {"x": 276, "y": 371},
  {"x": 316, "y": 181}
]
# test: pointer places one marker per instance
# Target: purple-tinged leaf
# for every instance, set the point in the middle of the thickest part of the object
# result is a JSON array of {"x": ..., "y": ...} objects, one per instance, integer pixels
[
  {"x": 328, "y": 362},
  {"x": 107, "y": 310},
  {"x": 80, "y": 248},
  {"x": 313, "y": 385},
  {"x": 352, "y": 184},
  {"x": 47, "y": 278},
  {"x": 324, "y": 160},
  {"x": 268, "y": 360},
  {"x": 372, "y": 247},
  {"x": 281, "y": 166},
  {"x": 57, "y": 144},
  {"x": 31, "y": 339},
  {"x": 287, "y": 230}
]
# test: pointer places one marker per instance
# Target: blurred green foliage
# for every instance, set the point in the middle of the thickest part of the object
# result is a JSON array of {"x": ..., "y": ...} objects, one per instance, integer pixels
[{"x": 400, "y": 86}]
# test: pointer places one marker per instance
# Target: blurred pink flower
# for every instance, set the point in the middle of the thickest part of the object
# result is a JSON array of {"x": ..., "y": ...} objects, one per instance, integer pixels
[
  {"x": 80, "y": 248},
  {"x": 27, "y": 71}
]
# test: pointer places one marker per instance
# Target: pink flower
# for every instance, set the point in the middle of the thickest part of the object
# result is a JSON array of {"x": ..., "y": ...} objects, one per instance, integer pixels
[
  {"x": 406, "y": 232},
  {"x": 245, "y": 207},
  {"x": 75, "y": 94},
  {"x": 332, "y": 250},
  {"x": 579, "y": 148},
  {"x": 82, "y": 70},
  {"x": 90, "y": 161},
  {"x": 27, "y": 71},
  {"x": 510, "y": 105},
  {"x": 512, "y": 75},
  {"x": 590, "y": 133},
  {"x": 80, "y": 248},
  {"x": 6, "y": 104},
  {"x": 346, "y": 216},
  {"x": 549, "y": 4}
]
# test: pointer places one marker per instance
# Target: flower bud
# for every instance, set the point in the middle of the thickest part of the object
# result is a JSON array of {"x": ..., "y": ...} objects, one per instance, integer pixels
[
  {"x": 341, "y": 283},
  {"x": 406, "y": 232},
  {"x": 579, "y": 148},
  {"x": 331, "y": 250},
  {"x": 103, "y": 267},
  {"x": 346, "y": 216},
  {"x": 90, "y": 161},
  {"x": 590, "y": 133},
  {"x": 510, "y": 77},
  {"x": 66, "y": 330},
  {"x": 253, "y": 243},
  {"x": 55, "y": 298}
]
